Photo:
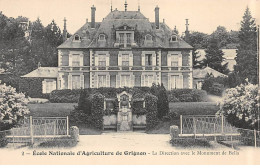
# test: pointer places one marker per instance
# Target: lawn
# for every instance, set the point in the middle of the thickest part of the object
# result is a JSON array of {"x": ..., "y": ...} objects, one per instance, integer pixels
[
  {"x": 51, "y": 109},
  {"x": 186, "y": 108},
  {"x": 194, "y": 108}
]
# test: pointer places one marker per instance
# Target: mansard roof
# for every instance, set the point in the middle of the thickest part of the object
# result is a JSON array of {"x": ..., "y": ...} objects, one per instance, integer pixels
[{"x": 133, "y": 20}]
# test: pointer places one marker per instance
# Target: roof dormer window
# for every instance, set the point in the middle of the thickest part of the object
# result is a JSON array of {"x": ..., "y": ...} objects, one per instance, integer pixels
[
  {"x": 148, "y": 37},
  {"x": 173, "y": 38},
  {"x": 102, "y": 37},
  {"x": 76, "y": 38}
]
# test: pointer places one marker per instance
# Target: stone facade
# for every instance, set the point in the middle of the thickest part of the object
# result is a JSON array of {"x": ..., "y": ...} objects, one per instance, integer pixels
[{"x": 118, "y": 53}]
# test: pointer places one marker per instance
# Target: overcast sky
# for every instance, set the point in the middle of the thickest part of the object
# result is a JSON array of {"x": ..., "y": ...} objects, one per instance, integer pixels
[{"x": 203, "y": 15}]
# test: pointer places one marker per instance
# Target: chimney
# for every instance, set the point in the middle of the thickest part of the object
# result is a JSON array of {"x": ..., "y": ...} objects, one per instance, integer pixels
[
  {"x": 187, "y": 32},
  {"x": 157, "y": 20},
  {"x": 93, "y": 11},
  {"x": 65, "y": 30}
]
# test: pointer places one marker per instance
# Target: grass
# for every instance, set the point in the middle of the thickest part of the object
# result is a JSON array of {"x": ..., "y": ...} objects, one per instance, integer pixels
[
  {"x": 180, "y": 108},
  {"x": 194, "y": 108},
  {"x": 51, "y": 109}
]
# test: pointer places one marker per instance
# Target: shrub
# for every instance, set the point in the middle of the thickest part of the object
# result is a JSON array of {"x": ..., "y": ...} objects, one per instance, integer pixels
[
  {"x": 187, "y": 95},
  {"x": 72, "y": 96},
  {"x": 151, "y": 108},
  {"x": 13, "y": 106},
  {"x": 97, "y": 110},
  {"x": 137, "y": 108},
  {"x": 162, "y": 104},
  {"x": 3, "y": 139},
  {"x": 241, "y": 105},
  {"x": 32, "y": 87},
  {"x": 215, "y": 86},
  {"x": 65, "y": 96}
]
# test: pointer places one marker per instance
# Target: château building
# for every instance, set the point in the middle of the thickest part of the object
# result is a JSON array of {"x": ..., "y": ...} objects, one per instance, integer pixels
[{"x": 125, "y": 49}]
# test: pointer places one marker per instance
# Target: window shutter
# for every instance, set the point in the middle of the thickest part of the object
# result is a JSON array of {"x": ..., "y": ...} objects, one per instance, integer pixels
[
  {"x": 154, "y": 59},
  {"x": 155, "y": 79},
  {"x": 58, "y": 83},
  {"x": 107, "y": 60},
  {"x": 131, "y": 59},
  {"x": 108, "y": 81},
  {"x": 119, "y": 60},
  {"x": 142, "y": 80},
  {"x": 95, "y": 81},
  {"x": 81, "y": 60},
  {"x": 132, "y": 80},
  {"x": 69, "y": 81},
  {"x": 54, "y": 85},
  {"x": 96, "y": 60},
  {"x": 169, "y": 60},
  {"x": 169, "y": 83},
  {"x": 117, "y": 81},
  {"x": 180, "y": 60},
  {"x": 43, "y": 86},
  {"x": 82, "y": 81},
  {"x": 143, "y": 59},
  {"x": 180, "y": 81},
  {"x": 70, "y": 59}
]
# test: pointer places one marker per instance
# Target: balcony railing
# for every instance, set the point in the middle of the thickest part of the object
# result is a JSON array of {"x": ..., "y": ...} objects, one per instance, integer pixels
[{"x": 125, "y": 68}]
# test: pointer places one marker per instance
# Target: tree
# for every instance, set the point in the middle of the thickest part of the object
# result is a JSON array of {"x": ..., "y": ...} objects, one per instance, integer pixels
[
  {"x": 14, "y": 49},
  {"x": 214, "y": 57},
  {"x": 246, "y": 58},
  {"x": 54, "y": 38},
  {"x": 222, "y": 36},
  {"x": 13, "y": 106},
  {"x": 197, "y": 40}
]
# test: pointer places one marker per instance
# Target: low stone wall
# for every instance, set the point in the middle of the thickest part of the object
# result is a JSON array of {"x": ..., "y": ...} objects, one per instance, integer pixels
[
  {"x": 110, "y": 120},
  {"x": 139, "y": 119}
]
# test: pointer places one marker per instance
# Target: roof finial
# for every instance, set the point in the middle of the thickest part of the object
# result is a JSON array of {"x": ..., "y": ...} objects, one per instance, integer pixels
[
  {"x": 125, "y": 5},
  {"x": 139, "y": 5}
]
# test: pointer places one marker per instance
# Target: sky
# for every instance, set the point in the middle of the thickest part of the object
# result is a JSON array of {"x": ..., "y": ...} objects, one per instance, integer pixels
[{"x": 203, "y": 15}]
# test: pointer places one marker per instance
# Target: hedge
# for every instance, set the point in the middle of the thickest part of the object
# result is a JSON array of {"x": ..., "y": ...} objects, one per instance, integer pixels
[
  {"x": 187, "y": 95},
  {"x": 32, "y": 87},
  {"x": 151, "y": 108},
  {"x": 72, "y": 96}
]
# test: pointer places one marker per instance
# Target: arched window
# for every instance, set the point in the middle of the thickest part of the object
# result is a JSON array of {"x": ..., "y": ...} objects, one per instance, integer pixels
[
  {"x": 102, "y": 37},
  {"x": 148, "y": 37},
  {"x": 76, "y": 38},
  {"x": 173, "y": 38}
]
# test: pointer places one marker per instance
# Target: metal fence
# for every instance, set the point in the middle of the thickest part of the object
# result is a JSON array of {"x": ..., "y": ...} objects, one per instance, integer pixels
[
  {"x": 38, "y": 129},
  {"x": 216, "y": 128}
]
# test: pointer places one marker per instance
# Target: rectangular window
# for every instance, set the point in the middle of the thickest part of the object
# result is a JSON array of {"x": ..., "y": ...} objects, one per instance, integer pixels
[
  {"x": 102, "y": 60},
  {"x": 148, "y": 60},
  {"x": 174, "y": 81},
  {"x": 174, "y": 60},
  {"x": 125, "y": 60},
  {"x": 128, "y": 38},
  {"x": 101, "y": 81},
  {"x": 75, "y": 81},
  {"x": 75, "y": 60},
  {"x": 125, "y": 81},
  {"x": 121, "y": 38},
  {"x": 148, "y": 80}
]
